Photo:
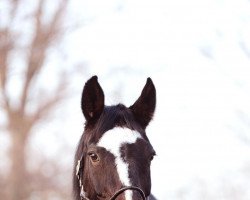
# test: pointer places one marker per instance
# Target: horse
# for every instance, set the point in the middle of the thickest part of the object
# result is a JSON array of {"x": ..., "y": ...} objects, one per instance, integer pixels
[{"x": 114, "y": 154}]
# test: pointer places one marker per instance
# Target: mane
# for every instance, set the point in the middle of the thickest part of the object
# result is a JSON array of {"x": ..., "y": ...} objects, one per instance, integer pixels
[{"x": 112, "y": 116}]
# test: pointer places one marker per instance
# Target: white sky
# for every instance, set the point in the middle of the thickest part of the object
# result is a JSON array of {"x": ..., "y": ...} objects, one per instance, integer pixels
[{"x": 191, "y": 50}]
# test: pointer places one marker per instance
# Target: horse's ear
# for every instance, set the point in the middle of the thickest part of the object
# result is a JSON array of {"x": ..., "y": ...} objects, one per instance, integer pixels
[
  {"x": 144, "y": 107},
  {"x": 92, "y": 102}
]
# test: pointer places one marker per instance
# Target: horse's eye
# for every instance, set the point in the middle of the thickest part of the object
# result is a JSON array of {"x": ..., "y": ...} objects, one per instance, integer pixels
[{"x": 94, "y": 157}]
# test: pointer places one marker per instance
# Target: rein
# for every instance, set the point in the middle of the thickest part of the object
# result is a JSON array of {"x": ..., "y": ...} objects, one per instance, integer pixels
[
  {"x": 117, "y": 193},
  {"x": 128, "y": 188}
]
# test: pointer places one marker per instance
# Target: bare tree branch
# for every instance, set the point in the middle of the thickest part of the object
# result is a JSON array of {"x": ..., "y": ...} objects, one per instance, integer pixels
[
  {"x": 5, "y": 47},
  {"x": 44, "y": 35}
]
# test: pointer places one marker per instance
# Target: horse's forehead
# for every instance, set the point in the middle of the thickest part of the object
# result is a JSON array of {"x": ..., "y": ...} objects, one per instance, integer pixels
[{"x": 113, "y": 139}]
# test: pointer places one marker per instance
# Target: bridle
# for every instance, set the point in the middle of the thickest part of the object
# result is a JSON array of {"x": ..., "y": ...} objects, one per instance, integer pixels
[
  {"x": 117, "y": 193},
  {"x": 128, "y": 188}
]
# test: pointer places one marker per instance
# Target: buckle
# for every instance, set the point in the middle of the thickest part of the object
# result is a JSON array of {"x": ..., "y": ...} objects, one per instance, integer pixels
[{"x": 78, "y": 167}]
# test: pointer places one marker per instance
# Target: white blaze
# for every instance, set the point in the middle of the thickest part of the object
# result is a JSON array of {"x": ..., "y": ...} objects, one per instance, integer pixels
[{"x": 112, "y": 141}]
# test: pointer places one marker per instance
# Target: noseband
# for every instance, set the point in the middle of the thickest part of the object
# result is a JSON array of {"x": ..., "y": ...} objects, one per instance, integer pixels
[
  {"x": 128, "y": 188},
  {"x": 117, "y": 193}
]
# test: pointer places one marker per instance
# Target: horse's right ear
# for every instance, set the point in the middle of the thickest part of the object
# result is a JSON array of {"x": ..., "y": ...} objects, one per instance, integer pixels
[{"x": 92, "y": 102}]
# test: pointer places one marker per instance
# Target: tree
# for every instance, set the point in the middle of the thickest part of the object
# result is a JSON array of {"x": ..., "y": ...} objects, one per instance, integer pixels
[{"x": 32, "y": 48}]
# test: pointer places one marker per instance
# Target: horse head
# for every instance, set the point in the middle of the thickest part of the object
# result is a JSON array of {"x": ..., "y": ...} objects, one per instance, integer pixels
[{"x": 114, "y": 154}]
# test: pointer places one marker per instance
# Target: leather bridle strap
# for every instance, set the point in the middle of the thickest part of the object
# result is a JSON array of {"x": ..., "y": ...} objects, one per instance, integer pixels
[
  {"x": 128, "y": 188},
  {"x": 82, "y": 192}
]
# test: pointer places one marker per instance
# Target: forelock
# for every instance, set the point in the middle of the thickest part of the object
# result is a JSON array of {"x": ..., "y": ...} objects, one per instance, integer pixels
[{"x": 113, "y": 116}]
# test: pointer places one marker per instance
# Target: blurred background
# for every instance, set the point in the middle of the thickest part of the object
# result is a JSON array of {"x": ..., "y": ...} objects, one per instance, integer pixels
[{"x": 196, "y": 52}]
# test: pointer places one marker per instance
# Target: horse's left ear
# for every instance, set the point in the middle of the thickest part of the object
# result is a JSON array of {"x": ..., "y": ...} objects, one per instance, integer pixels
[
  {"x": 144, "y": 107},
  {"x": 92, "y": 102}
]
